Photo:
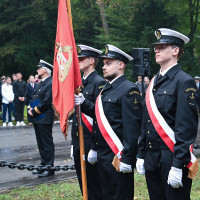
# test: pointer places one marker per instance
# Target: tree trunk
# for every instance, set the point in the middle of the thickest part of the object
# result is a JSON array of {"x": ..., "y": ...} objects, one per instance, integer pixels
[{"x": 103, "y": 18}]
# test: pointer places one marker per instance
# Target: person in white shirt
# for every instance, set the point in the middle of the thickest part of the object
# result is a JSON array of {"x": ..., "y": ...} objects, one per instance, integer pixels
[{"x": 7, "y": 100}]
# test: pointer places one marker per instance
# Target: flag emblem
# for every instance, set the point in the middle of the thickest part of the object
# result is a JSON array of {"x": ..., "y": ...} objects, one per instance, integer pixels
[{"x": 63, "y": 63}]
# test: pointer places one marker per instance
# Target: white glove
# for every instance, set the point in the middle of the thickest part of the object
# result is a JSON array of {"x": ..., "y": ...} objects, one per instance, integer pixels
[
  {"x": 72, "y": 154},
  {"x": 140, "y": 166},
  {"x": 125, "y": 168},
  {"x": 92, "y": 157},
  {"x": 79, "y": 99},
  {"x": 175, "y": 177}
]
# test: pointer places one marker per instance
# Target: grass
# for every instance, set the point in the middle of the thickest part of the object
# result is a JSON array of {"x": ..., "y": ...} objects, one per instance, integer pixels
[{"x": 69, "y": 190}]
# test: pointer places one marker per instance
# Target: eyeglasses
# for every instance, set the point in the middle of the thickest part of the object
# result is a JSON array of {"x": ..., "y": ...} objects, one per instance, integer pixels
[{"x": 160, "y": 47}]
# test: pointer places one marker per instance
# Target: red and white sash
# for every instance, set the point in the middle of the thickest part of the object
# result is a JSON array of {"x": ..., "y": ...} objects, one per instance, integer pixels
[
  {"x": 106, "y": 130},
  {"x": 159, "y": 123},
  {"x": 88, "y": 121}
]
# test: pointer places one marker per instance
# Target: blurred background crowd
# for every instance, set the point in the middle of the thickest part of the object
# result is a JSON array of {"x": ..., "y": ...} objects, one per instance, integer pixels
[{"x": 15, "y": 95}]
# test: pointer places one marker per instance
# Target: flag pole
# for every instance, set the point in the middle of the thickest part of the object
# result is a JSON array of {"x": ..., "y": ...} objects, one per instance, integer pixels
[
  {"x": 80, "y": 127},
  {"x": 82, "y": 155},
  {"x": 69, "y": 13}
]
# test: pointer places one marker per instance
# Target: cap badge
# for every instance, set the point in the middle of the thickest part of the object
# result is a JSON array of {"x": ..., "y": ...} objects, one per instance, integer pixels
[
  {"x": 79, "y": 49},
  {"x": 106, "y": 51},
  {"x": 63, "y": 62},
  {"x": 158, "y": 34}
]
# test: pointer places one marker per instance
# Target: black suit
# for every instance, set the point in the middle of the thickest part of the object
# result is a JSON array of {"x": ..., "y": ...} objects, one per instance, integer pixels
[
  {"x": 122, "y": 107},
  {"x": 29, "y": 95},
  {"x": 19, "y": 89},
  {"x": 175, "y": 97},
  {"x": 43, "y": 126},
  {"x": 92, "y": 86}
]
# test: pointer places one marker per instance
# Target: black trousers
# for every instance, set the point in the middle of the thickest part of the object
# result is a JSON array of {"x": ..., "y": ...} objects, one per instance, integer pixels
[
  {"x": 19, "y": 109},
  {"x": 114, "y": 185},
  {"x": 157, "y": 166},
  {"x": 93, "y": 185},
  {"x": 45, "y": 143}
]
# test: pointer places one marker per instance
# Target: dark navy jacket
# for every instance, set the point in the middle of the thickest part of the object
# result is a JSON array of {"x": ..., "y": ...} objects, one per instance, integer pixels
[
  {"x": 29, "y": 92},
  {"x": 43, "y": 92},
  {"x": 176, "y": 99},
  {"x": 123, "y": 110},
  {"x": 92, "y": 87}
]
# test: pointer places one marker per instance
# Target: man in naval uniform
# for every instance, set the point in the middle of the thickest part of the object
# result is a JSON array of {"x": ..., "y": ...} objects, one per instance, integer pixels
[
  {"x": 164, "y": 153},
  {"x": 92, "y": 85},
  {"x": 42, "y": 113},
  {"x": 121, "y": 106}
]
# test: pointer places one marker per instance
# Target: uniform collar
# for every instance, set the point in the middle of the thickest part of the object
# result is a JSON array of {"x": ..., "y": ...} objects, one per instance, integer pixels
[
  {"x": 90, "y": 77},
  {"x": 163, "y": 73},
  {"x": 85, "y": 77},
  {"x": 173, "y": 71},
  {"x": 45, "y": 78},
  {"x": 118, "y": 81}
]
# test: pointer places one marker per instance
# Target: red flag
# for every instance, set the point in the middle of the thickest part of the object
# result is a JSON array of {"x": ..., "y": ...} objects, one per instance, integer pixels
[{"x": 66, "y": 74}]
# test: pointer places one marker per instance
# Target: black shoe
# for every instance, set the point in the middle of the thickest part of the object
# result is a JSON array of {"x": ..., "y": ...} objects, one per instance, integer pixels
[
  {"x": 37, "y": 172},
  {"x": 46, "y": 173}
]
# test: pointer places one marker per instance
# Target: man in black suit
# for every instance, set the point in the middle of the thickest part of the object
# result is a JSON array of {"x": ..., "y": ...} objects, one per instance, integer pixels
[
  {"x": 19, "y": 89},
  {"x": 41, "y": 111},
  {"x": 29, "y": 94}
]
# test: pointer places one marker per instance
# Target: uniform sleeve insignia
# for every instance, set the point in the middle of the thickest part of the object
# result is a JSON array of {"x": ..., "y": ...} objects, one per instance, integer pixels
[
  {"x": 192, "y": 96},
  {"x": 190, "y": 89},
  {"x": 134, "y": 92},
  {"x": 136, "y": 101},
  {"x": 100, "y": 87},
  {"x": 37, "y": 111}
]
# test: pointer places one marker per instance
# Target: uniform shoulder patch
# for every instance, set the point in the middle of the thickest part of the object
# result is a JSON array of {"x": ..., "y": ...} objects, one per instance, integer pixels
[
  {"x": 134, "y": 92},
  {"x": 190, "y": 89}
]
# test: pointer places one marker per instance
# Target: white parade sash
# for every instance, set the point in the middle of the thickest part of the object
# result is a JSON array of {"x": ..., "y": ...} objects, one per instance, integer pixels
[
  {"x": 106, "y": 130},
  {"x": 161, "y": 126},
  {"x": 88, "y": 121}
]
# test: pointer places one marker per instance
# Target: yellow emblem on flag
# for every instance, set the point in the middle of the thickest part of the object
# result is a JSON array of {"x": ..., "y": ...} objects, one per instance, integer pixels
[{"x": 63, "y": 63}]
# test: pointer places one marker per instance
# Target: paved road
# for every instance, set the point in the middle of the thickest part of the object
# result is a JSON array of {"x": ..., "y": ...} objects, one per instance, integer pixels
[{"x": 19, "y": 145}]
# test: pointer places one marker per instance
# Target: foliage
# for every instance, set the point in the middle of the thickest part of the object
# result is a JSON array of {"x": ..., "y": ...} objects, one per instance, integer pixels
[{"x": 28, "y": 29}]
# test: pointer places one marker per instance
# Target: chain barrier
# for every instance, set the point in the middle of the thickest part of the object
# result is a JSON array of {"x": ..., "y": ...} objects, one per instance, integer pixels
[{"x": 13, "y": 165}]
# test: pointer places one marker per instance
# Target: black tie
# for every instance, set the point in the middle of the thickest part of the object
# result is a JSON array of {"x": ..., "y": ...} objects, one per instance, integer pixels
[{"x": 84, "y": 82}]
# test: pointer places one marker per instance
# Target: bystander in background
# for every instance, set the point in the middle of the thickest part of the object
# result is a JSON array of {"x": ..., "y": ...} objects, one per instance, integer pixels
[{"x": 7, "y": 100}]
